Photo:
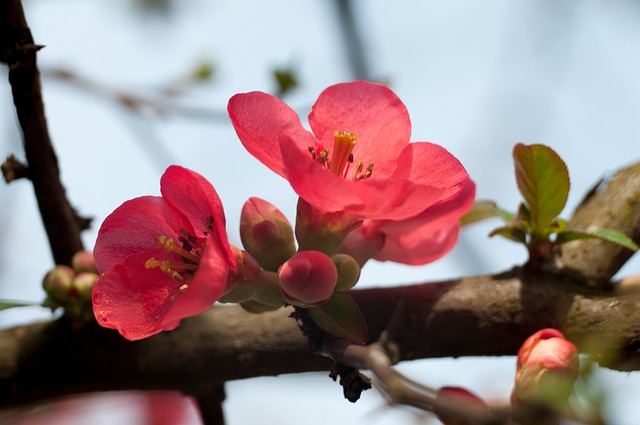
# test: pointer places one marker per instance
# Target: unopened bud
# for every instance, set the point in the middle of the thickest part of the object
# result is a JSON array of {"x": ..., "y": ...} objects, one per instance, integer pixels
[
  {"x": 348, "y": 271},
  {"x": 83, "y": 285},
  {"x": 458, "y": 406},
  {"x": 82, "y": 261},
  {"x": 266, "y": 233},
  {"x": 547, "y": 368},
  {"x": 58, "y": 283},
  {"x": 308, "y": 279}
]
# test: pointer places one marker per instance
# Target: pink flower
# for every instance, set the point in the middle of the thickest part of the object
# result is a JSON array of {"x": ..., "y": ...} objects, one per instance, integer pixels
[
  {"x": 162, "y": 258},
  {"x": 357, "y": 159}
]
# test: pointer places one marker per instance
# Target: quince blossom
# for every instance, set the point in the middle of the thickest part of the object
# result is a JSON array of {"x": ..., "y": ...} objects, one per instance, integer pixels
[
  {"x": 357, "y": 162},
  {"x": 162, "y": 258}
]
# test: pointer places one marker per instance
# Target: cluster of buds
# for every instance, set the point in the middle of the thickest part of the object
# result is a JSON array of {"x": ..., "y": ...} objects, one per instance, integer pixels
[
  {"x": 305, "y": 279},
  {"x": 70, "y": 287}
]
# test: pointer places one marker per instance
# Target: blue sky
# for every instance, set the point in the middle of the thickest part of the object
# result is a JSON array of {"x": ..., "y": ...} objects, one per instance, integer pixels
[{"x": 477, "y": 77}]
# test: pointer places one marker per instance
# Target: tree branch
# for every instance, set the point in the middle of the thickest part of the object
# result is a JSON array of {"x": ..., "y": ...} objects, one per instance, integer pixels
[
  {"x": 476, "y": 316},
  {"x": 615, "y": 205},
  {"x": 18, "y": 51},
  {"x": 479, "y": 316}
]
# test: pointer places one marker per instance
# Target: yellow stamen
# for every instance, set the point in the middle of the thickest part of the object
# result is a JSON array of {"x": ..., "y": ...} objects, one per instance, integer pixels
[
  {"x": 170, "y": 245},
  {"x": 184, "y": 287},
  {"x": 343, "y": 144},
  {"x": 169, "y": 267}
]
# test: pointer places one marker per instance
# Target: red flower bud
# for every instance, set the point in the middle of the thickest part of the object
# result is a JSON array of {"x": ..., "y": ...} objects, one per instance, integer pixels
[
  {"x": 308, "y": 279},
  {"x": 454, "y": 404},
  {"x": 548, "y": 366},
  {"x": 266, "y": 233}
]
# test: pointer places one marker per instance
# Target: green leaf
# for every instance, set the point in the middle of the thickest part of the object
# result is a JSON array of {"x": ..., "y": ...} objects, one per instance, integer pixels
[
  {"x": 341, "y": 317},
  {"x": 610, "y": 235},
  {"x": 5, "y": 304},
  {"x": 481, "y": 210},
  {"x": 543, "y": 181},
  {"x": 512, "y": 233}
]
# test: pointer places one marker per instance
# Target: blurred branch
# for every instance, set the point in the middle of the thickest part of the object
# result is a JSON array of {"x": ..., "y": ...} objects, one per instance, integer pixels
[
  {"x": 141, "y": 105},
  {"x": 210, "y": 406},
  {"x": 18, "y": 51},
  {"x": 352, "y": 40}
]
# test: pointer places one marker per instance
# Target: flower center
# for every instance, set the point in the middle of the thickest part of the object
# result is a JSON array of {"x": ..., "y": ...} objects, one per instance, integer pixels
[
  {"x": 342, "y": 156},
  {"x": 190, "y": 252}
]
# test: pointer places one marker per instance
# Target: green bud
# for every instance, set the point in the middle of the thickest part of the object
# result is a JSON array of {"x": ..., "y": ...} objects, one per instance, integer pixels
[
  {"x": 58, "y": 283},
  {"x": 83, "y": 285},
  {"x": 348, "y": 271}
]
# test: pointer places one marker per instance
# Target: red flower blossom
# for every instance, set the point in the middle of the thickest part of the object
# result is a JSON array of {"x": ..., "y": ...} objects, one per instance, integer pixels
[
  {"x": 357, "y": 160},
  {"x": 162, "y": 258},
  {"x": 424, "y": 238}
]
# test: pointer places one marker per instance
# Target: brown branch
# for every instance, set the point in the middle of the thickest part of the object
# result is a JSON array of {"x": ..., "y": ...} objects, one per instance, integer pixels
[
  {"x": 475, "y": 316},
  {"x": 18, "y": 51},
  {"x": 480, "y": 316}
]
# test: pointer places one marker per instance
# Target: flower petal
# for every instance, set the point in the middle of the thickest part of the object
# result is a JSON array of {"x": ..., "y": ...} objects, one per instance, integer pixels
[
  {"x": 426, "y": 237},
  {"x": 135, "y": 300},
  {"x": 316, "y": 185},
  {"x": 428, "y": 247},
  {"x": 426, "y": 163},
  {"x": 134, "y": 227},
  {"x": 260, "y": 120},
  {"x": 207, "y": 286},
  {"x": 193, "y": 195},
  {"x": 372, "y": 111}
]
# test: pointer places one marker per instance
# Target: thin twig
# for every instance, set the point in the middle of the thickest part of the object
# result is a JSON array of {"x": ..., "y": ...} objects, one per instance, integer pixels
[{"x": 141, "y": 105}]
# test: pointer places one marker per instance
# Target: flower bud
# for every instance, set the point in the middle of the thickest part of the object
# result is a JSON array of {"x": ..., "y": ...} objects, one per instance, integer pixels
[
  {"x": 348, "y": 271},
  {"x": 58, "y": 283},
  {"x": 82, "y": 261},
  {"x": 266, "y": 233},
  {"x": 547, "y": 368},
  {"x": 455, "y": 404},
  {"x": 83, "y": 285},
  {"x": 322, "y": 231},
  {"x": 308, "y": 279}
]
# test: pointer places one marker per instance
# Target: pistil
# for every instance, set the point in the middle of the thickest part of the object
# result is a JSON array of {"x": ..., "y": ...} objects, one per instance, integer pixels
[{"x": 343, "y": 144}]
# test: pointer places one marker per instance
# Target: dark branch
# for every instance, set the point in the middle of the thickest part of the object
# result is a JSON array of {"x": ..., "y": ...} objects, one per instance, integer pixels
[{"x": 18, "y": 51}]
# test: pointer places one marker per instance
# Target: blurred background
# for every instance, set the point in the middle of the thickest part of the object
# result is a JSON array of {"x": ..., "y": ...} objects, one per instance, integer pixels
[{"x": 132, "y": 86}]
